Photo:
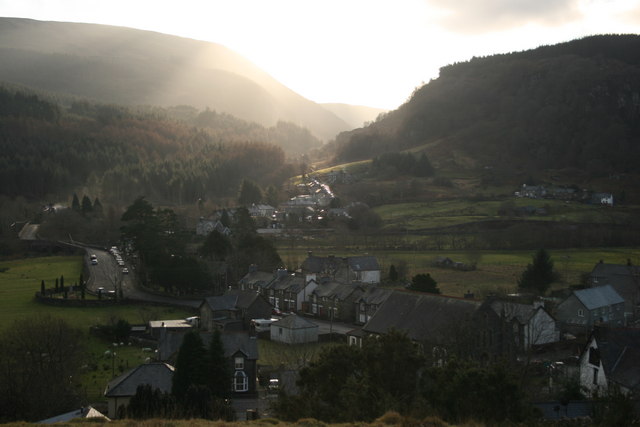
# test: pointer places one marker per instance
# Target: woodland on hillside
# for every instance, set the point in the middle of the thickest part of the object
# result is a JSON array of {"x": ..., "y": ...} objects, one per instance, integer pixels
[
  {"x": 573, "y": 105},
  {"x": 120, "y": 154}
]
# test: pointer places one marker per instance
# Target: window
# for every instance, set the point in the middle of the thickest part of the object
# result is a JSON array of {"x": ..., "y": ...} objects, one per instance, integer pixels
[
  {"x": 239, "y": 362},
  {"x": 279, "y": 331},
  {"x": 240, "y": 382},
  {"x": 595, "y": 376},
  {"x": 580, "y": 312}
]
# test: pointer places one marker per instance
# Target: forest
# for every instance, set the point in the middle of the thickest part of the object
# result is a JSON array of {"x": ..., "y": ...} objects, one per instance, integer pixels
[
  {"x": 572, "y": 105},
  {"x": 51, "y": 150}
]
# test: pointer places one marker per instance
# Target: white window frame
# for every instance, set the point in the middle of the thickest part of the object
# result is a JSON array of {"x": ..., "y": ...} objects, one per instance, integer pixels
[
  {"x": 240, "y": 382},
  {"x": 239, "y": 363}
]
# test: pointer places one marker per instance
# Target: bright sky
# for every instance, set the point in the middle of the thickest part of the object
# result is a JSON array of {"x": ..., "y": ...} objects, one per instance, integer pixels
[{"x": 362, "y": 52}]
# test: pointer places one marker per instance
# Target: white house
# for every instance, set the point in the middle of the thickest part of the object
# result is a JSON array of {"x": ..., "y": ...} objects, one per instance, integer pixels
[
  {"x": 611, "y": 358},
  {"x": 294, "y": 329}
]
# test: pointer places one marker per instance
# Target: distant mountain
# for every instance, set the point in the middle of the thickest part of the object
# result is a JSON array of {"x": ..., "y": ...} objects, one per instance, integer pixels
[
  {"x": 355, "y": 115},
  {"x": 133, "y": 67},
  {"x": 574, "y": 105}
]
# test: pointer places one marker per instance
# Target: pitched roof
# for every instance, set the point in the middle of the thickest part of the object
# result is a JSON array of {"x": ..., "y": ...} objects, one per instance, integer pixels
[
  {"x": 257, "y": 278},
  {"x": 602, "y": 269},
  {"x": 375, "y": 295},
  {"x": 619, "y": 350},
  {"x": 222, "y": 302},
  {"x": 363, "y": 263},
  {"x": 424, "y": 317},
  {"x": 86, "y": 412},
  {"x": 159, "y": 375},
  {"x": 294, "y": 321},
  {"x": 288, "y": 282},
  {"x": 599, "y": 296},
  {"x": 512, "y": 310},
  {"x": 336, "y": 290},
  {"x": 170, "y": 342}
]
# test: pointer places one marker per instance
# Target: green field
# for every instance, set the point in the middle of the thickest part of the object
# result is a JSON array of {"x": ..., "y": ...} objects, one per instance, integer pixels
[
  {"x": 20, "y": 280},
  {"x": 444, "y": 213},
  {"x": 496, "y": 270}
]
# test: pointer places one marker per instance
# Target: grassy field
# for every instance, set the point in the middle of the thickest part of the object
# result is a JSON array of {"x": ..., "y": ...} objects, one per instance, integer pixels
[
  {"x": 496, "y": 270},
  {"x": 20, "y": 279},
  {"x": 443, "y": 213}
]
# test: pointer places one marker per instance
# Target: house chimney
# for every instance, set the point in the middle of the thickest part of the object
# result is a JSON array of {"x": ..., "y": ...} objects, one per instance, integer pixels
[
  {"x": 281, "y": 272},
  {"x": 309, "y": 254},
  {"x": 469, "y": 295}
]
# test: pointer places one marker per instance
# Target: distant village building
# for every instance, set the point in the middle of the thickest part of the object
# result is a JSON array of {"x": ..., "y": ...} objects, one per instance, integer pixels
[
  {"x": 206, "y": 226},
  {"x": 585, "y": 308},
  {"x": 605, "y": 199},
  {"x": 625, "y": 279}
]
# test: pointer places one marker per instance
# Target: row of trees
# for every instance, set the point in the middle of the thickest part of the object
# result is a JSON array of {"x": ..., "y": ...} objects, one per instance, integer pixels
[{"x": 160, "y": 242}]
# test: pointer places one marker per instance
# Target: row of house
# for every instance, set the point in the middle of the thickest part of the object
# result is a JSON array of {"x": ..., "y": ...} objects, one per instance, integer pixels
[{"x": 564, "y": 193}]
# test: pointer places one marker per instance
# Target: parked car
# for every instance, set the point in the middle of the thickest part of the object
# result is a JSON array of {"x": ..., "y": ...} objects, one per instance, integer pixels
[{"x": 125, "y": 270}]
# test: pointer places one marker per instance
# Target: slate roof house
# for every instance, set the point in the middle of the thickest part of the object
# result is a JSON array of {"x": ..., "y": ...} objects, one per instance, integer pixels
[
  {"x": 334, "y": 300},
  {"x": 240, "y": 348},
  {"x": 233, "y": 311},
  {"x": 611, "y": 358},
  {"x": 255, "y": 280},
  {"x": 206, "y": 226},
  {"x": 363, "y": 269},
  {"x": 120, "y": 390},
  {"x": 586, "y": 307},
  {"x": 441, "y": 324},
  {"x": 531, "y": 324},
  {"x": 287, "y": 292},
  {"x": 625, "y": 279},
  {"x": 369, "y": 302},
  {"x": 294, "y": 329}
]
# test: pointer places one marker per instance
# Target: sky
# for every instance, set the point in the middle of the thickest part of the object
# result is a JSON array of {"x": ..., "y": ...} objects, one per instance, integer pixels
[{"x": 361, "y": 52}]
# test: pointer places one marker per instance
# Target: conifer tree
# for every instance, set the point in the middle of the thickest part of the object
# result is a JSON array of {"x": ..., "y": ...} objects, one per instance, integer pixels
[
  {"x": 218, "y": 368},
  {"x": 75, "y": 204},
  {"x": 538, "y": 275},
  {"x": 190, "y": 365}
]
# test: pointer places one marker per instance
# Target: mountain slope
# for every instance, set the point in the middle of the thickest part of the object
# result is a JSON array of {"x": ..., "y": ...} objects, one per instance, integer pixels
[
  {"x": 572, "y": 105},
  {"x": 355, "y": 115},
  {"x": 127, "y": 66}
]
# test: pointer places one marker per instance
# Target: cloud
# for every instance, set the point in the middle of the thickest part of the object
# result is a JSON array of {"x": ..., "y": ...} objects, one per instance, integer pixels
[{"x": 481, "y": 16}]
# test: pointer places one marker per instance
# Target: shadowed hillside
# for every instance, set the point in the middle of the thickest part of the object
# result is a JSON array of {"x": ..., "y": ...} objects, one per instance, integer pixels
[
  {"x": 133, "y": 67},
  {"x": 574, "y": 105}
]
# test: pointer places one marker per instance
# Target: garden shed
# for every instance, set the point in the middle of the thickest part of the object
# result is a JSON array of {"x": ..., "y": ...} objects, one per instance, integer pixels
[{"x": 294, "y": 329}]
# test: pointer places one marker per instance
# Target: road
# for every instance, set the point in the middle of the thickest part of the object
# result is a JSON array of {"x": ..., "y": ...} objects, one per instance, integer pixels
[{"x": 108, "y": 275}]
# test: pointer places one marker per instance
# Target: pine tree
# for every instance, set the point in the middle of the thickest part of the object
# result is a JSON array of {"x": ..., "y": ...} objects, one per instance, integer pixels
[
  {"x": 75, "y": 204},
  {"x": 190, "y": 365},
  {"x": 393, "y": 273},
  {"x": 87, "y": 207},
  {"x": 218, "y": 368},
  {"x": 538, "y": 275}
]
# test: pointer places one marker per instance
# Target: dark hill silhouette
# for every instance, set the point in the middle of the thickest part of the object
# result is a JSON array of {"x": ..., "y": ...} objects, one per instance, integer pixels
[
  {"x": 133, "y": 67},
  {"x": 571, "y": 105}
]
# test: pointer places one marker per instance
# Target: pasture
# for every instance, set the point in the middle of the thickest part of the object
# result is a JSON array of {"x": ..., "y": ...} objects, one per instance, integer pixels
[{"x": 497, "y": 271}]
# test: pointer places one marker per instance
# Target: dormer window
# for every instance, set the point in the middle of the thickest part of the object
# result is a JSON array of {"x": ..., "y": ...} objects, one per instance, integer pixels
[{"x": 239, "y": 363}]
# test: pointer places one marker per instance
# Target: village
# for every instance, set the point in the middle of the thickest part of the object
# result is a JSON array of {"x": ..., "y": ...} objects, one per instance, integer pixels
[{"x": 588, "y": 335}]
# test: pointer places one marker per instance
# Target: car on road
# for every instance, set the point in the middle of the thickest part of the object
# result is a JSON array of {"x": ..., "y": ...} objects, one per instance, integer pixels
[
  {"x": 94, "y": 261},
  {"x": 125, "y": 270}
]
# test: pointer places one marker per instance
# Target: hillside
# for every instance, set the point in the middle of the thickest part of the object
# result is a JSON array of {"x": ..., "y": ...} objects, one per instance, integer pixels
[
  {"x": 133, "y": 67},
  {"x": 355, "y": 115},
  {"x": 572, "y": 107},
  {"x": 50, "y": 151}
]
